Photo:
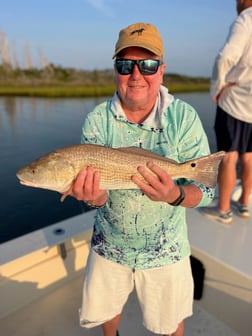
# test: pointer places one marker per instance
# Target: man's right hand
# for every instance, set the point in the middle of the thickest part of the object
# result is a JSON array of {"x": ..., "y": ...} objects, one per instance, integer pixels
[{"x": 86, "y": 187}]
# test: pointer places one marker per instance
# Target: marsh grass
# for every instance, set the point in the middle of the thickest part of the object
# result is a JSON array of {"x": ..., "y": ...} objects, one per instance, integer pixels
[
  {"x": 61, "y": 82},
  {"x": 57, "y": 91},
  {"x": 87, "y": 91}
]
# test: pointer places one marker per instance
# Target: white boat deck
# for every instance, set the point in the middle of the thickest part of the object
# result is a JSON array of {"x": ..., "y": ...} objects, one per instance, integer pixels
[
  {"x": 225, "y": 250},
  {"x": 229, "y": 244},
  {"x": 56, "y": 314}
]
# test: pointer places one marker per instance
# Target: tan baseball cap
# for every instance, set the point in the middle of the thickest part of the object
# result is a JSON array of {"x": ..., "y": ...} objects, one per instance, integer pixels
[{"x": 143, "y": 35}]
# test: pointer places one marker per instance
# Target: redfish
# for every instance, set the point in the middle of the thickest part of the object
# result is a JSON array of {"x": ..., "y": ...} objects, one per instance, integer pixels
[{"x": 58, "y": 169}]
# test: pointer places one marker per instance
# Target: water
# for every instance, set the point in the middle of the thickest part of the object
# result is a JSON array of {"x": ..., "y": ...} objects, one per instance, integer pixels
[{"x": 30, "y": 127}]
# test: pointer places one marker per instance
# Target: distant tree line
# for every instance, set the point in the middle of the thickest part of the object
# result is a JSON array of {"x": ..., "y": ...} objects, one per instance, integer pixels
[{"x": 57, "y": 75}]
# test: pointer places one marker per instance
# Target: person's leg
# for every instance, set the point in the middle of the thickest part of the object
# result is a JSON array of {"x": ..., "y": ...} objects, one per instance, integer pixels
[
  {"x": 227, "y": 179},
  {"x": 103, "y": 300},
  {"x": 246, "y": 177},
  {"x": 226, "y": 183},
  {"x": 165, "y": 304},
  {"x": 180, "y": 330},
  {"x": 110, "y": 327}
]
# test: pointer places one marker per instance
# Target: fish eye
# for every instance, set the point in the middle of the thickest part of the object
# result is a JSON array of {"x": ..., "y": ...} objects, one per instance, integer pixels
[{"x": 193, "y": 165}]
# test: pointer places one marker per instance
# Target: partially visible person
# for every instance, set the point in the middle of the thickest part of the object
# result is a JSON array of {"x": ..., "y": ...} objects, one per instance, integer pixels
[
  {"x": 140, "y": 238},
  {"x": 231, "y": 89}
]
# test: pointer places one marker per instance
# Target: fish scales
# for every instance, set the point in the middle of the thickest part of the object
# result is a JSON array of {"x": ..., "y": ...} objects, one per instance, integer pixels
[{"x": 58, "y": 169}]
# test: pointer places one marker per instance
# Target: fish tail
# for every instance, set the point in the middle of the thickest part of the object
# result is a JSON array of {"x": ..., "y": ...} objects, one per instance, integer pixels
[{"x": 205, "y": 169}]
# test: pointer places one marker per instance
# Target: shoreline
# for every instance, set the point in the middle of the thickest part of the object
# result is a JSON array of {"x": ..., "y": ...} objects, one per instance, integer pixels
[{"x": 68, "y": 91}]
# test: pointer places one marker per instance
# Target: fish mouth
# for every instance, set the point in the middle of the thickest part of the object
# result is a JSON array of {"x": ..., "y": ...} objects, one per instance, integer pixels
[
  {"x": 27, "y": 183},
  {"x": 36, "y": 185}
]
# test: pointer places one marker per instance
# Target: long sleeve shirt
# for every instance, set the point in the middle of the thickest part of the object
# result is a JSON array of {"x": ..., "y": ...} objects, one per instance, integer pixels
[
  {"x": 233, "y": 65},
  {"x": 131, "y": 229}
]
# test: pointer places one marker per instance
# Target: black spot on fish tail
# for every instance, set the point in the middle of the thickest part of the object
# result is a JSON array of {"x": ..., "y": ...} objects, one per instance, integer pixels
[{"x": 205, "y": 169}]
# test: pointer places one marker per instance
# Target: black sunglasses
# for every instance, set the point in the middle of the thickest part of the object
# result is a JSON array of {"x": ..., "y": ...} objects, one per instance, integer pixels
[{"x": 146, "y": 66}]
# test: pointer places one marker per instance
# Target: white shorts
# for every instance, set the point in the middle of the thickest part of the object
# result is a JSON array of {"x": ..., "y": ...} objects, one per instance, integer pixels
[{"x": 165, "y": 294}]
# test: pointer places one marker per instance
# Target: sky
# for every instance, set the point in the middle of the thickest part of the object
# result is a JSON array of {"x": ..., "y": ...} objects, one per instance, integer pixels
[{"x": 82, "y": 33}]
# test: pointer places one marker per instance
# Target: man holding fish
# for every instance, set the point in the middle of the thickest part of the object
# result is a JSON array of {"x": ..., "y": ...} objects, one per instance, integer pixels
[
  {"x": 140, "y": 237},
  {"x": 146, "y": 159}
]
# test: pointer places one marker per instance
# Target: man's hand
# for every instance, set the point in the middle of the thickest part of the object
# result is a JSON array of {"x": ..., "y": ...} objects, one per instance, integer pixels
[
  {"x": 86, "y": 187},
  {"x": 158, "y": 187},
  {"x": 217, "y": 97}
]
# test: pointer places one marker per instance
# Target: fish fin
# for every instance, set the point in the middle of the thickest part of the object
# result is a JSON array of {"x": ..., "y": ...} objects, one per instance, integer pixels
[
  {"x": 63, "y": 197},
  {"x": 144, "y": 152},
  {"x": 65, "y": 194},
  {"x": 206, "y": 168}
]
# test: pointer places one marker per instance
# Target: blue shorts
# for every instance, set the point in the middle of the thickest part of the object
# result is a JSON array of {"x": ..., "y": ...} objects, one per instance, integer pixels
[{"x": 232, "y": 134}]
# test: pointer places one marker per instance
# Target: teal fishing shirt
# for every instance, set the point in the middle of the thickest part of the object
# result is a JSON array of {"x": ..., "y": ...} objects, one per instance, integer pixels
[{"x": 131, "y": 229}]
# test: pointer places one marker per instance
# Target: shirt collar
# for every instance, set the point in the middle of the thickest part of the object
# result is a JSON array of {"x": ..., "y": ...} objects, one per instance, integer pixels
[{"x": 154, "y": 120}]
